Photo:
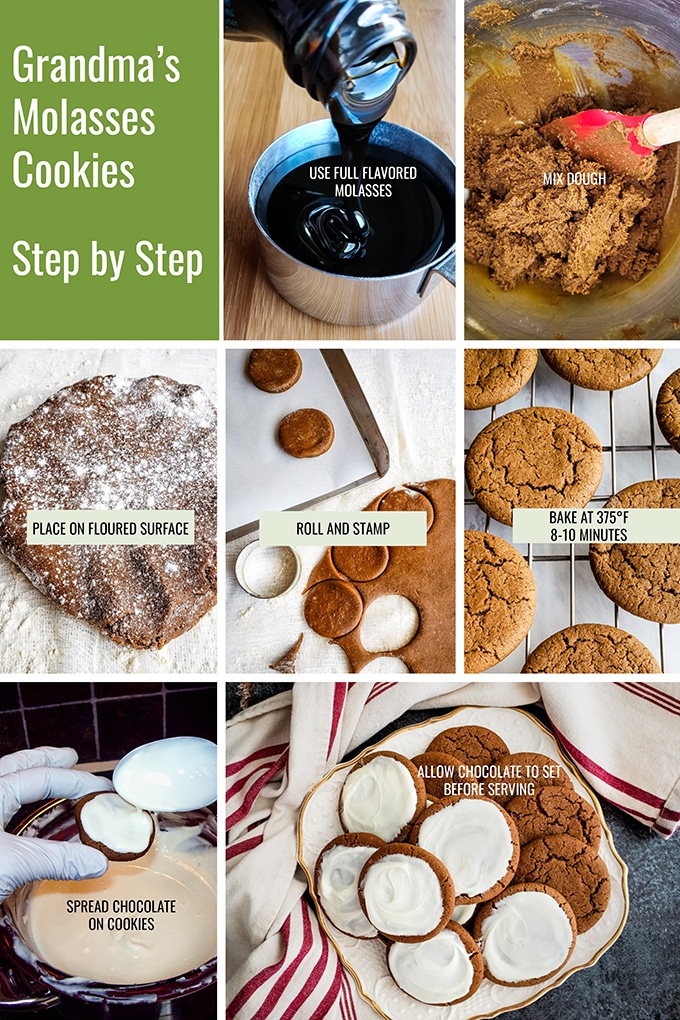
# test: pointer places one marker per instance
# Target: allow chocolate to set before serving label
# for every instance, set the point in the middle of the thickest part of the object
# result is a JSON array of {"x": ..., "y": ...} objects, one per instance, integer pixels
[
  {"x": 605, "y": 524},
  {"x": 110, "y": 527},
  {"x": 343, "y": 527}
]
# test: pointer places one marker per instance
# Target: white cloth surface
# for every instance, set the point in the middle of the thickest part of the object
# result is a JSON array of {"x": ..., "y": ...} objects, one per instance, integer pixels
[
  {"x": 624, "y": 738},
  {"x": 35, "y": 635},
  {"x": 412, "y": 395}
]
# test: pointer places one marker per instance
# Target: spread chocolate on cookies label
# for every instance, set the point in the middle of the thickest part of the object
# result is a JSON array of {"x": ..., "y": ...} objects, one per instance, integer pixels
[{"x": 110, "y": 527}]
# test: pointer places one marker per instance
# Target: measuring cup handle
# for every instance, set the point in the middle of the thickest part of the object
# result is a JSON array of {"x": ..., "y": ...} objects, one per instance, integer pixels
[{"x": 445, "y": 268}]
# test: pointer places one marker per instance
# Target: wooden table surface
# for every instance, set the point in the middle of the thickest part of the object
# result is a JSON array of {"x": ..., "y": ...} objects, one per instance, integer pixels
[{"x": 261, "y": 103}]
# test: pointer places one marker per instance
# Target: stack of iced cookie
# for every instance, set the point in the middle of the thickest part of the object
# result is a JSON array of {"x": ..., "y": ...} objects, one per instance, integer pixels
[{"x": 467, "y": 861}]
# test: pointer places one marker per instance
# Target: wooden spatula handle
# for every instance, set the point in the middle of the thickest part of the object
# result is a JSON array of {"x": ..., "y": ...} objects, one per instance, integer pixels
[{"x": 662, "y": 128}]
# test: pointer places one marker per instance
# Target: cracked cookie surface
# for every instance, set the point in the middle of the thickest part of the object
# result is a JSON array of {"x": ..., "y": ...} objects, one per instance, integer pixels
[
  {"x": 644, "y": 578},
  {"x": 492, "y": 376},
  {"x": 500, "y": 599},
  {"x": 591, "y": 648},
  {"x": 535, "y": 457},
  {"x": 668, "y": 409},
  {"x": 574, "y": 869},
  {"x": 471, "y": 745},
  {"x": 552, "y": 811},
  {"x": 609, "y": 369}
]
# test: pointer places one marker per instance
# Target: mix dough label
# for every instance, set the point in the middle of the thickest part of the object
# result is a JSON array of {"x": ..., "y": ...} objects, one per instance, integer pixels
[
  {"x": 602, "y": 524},
  {"x": 110, "y": 527},
  {"x": 343, "y": 527}
]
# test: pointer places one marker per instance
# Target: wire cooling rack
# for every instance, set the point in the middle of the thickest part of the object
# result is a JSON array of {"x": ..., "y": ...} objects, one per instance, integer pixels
[{"x": 634, "y": 450}]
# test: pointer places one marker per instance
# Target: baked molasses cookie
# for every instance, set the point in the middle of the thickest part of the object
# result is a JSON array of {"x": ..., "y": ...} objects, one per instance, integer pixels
[
  {"x": 492, "y": 376},
  {"x": 528, "y": 767},
  {"x": 591, "y": 648},
  {"x": 642, "y": 578},
  {"x": 120, "y": 830},
  {"x": 477, "y": 841},
  {"x": 574, "y": 869},
  {"x": 474, "y": 745},
  {"x": 382, "y": 794},
  {"x": 536, "y": 457},
  {"x": 114, "y": 443},
  {"x": 442, "y": 971},
  {"x": 668, "y": 409},
  {"x": 554, "y": 811},
  {"x": 306, "y": 433},
  {"x": 526, "y": 934},
  {"x": 500, "y": 600},
  {"x": 602, "y": 369},
  {"x": 406, "y": 893},
  {"x": 335, "y": 881},
  {"x": 274, "y": 370},
  {"x": 437, "y": 770}
]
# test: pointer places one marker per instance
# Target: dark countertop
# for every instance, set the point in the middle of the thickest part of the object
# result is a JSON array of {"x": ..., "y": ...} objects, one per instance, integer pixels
[{"x": 637, "y": 978}]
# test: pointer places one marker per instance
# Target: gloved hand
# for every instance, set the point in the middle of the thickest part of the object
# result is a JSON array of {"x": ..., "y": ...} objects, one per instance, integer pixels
[{"x": 34, "y": 775}]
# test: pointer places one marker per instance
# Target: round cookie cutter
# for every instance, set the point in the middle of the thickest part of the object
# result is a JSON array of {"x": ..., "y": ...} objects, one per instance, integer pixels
[{"x": 268, "y": 571}]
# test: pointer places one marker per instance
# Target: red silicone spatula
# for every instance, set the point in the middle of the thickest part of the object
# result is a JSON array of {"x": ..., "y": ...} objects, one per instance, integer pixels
[{"x": 618, "y": 142}]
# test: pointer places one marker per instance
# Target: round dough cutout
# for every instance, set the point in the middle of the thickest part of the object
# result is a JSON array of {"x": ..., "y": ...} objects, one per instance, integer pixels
[
  {"x": 274, "y": 371},
  {"x": 307, "y": 432},
  {"x": 333, "y": 608},
  {"x": 360, "y": 562},
  {"x": 407, "y": 499}
]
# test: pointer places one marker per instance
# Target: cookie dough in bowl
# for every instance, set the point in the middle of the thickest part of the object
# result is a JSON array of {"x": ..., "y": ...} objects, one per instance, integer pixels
[
  {"x": 113, "y": 443},
  {"x": 559, "y": 247}
]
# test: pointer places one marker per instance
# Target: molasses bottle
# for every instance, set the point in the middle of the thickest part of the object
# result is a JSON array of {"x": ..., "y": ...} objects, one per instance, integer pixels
[{"x": 350, "y": 55}]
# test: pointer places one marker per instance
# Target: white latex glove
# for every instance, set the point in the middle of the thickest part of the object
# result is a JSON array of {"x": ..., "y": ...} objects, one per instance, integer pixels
[{"x": 34, "y": 775}]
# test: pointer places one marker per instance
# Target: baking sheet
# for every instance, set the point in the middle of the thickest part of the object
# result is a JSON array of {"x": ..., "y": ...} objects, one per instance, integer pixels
[
  {"x": 260, "y": 475},
  {"x": 365, "y": 958},
  {"x": 633, "y": 429}
]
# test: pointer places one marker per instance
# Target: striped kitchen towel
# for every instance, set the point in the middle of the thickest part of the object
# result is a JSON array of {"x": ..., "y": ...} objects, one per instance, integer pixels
[{"x": 624, "y": 737}]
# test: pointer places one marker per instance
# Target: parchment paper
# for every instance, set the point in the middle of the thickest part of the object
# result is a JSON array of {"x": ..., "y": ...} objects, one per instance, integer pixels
[{"x": 260, "y": 475}]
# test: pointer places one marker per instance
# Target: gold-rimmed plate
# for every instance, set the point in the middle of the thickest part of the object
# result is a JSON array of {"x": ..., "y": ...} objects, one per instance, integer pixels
[{"x": 365, "y": 958}]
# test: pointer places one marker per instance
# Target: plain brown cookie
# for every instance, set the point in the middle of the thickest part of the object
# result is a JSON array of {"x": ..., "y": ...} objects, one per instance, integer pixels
[
  {"x": 436, "y": 866},
  {"x": 112, "y": 855},
  {"x": 519, "y": 928},
  {"x": 274, "y": 370},
  {"x": 333, "y": 608},
  {"x": 404, "y": 820},
  {"x": 554, "y": 811},
  {"x": 445, "y": 842},
  {"x": 474, "y": 745},
  {"x": 399, "y": 953},
  {"x": 602, "y": 369},
  {"x": 500, "y": 600},
  {"x": 549, "y": 772},
  {"x": 574, "y": 869},
  {"x": 425, "y": 575},
  {"x": 642, "y": 579},
  {"x": 535, "y": 457},
  {"x": 668, "y": 409},
  {"x": 350, "y": 841},
  {"x": 436, "y": 769},
  {"x": 492, "y": 376},
  {"x": 591, "y": 648},
  {"x": 111, "y": 442},
  {"x": 307, "y": 432}
]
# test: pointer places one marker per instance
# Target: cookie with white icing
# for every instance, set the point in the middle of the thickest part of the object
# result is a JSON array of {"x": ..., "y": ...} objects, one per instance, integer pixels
[
  {"x": 526, "y": 934},
  {"x": 383, "y": 794},
  {"x": 476, "y": 840},
  {"x": 120, "y": 830},
  {"x": 442, "y": 971},
  {"x": 335, "y": 881},
  {"x": 406, "y": 893}
]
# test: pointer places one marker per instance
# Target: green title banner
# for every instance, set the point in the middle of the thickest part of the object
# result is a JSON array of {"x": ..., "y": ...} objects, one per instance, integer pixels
[
  {"x": 110, "y": 183},
  {"x": 599, "y": 525},
  {"x": 343, "y": 527},
  {"x": 110, "y": 527}
]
